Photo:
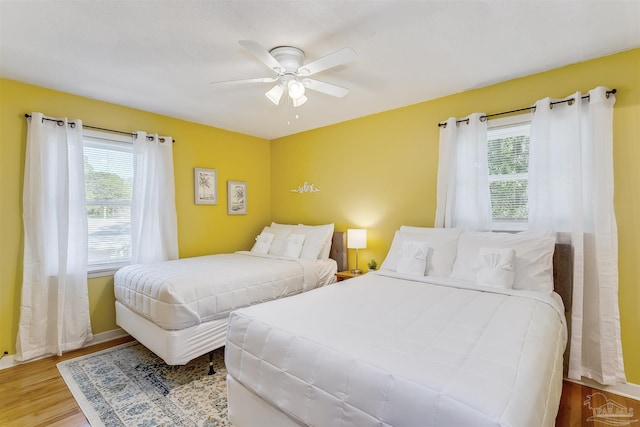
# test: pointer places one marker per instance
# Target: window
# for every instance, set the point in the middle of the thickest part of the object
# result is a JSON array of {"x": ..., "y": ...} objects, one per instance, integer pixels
[
  {"x": 508, "y": 157},
  {"x": 108, "y": 168}
]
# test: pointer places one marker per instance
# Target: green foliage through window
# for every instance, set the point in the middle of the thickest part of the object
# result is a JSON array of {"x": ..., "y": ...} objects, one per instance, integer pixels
[
  {"x": 103, "y": 187},
  {"x": 508, "y": 159}
]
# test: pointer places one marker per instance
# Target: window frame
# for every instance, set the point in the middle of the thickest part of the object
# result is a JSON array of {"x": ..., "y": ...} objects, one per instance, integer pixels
[
  {"x": 504, "y": 123},
  {"x": 119, "y": 143}
]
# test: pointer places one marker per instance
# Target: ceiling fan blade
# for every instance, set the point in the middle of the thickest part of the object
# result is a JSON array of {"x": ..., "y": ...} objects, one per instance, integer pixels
[
  {"x": 331, "y": 60},
  {"x": 235, "y": 82},
  {"x": 328, "y": 88},
  {"x": 262, "y": 54}
]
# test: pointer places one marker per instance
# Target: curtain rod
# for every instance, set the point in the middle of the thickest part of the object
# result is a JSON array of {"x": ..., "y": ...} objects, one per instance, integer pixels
[
  {"x": 533, "y": 107},
  {"x": 60, "y": 123}
]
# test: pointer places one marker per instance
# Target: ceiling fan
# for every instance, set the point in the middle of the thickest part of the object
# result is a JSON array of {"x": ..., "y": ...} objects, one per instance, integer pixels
[{"x": 291, "y": 74}]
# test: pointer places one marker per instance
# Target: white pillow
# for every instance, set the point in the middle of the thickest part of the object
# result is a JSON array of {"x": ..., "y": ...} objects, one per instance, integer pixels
[
  {"x": 279, "y": 241},
  {"x": 495, "y": 267},
  {"x": 413, "y": 258},
  {"x": 317, "y": 245},
  {"x": 316, "y": 235},
  {"x": 533, "y": 262},
  {"x": 263, "y": 243},
  {"x": 442, "y": 243},
  {"x": 294, "y": 245},
  {"x": 289, "y": 227},
  {"x": 430, "y": 230}
]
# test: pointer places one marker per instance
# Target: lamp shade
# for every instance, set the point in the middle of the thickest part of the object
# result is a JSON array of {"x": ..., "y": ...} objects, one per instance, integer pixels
[
  {"x": 275, "y": 94},
  {"x": 296, "y": 89},
  {"x": 356, "y": 238},
  {"x": 299, "y": 101}
]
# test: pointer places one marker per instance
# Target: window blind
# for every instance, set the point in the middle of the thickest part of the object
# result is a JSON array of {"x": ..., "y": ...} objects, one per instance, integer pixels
[
  {"x": 108, "y": 186},
  {"x": 508, "y": 159}
]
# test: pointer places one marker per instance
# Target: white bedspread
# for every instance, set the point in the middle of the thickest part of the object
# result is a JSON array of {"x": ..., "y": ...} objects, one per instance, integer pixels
[
  {"x": 382, "y": 351},
  {"x": 182, "y": 293}
]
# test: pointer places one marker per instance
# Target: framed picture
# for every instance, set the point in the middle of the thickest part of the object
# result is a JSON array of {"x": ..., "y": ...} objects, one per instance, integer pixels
[
  {"x": 205, "y": 183},
  {"x": 236, "y": 198}
]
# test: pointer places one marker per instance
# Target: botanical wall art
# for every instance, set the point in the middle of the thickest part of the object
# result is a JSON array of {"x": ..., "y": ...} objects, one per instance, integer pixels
[
  {"x": 236, "y": 197},
  {"x": 206, "y": 186}
]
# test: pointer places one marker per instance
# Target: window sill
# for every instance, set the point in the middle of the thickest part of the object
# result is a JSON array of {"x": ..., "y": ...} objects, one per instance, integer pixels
[
  {"x": 104, "y": 270},
  {"x": 509, "y": 226}
]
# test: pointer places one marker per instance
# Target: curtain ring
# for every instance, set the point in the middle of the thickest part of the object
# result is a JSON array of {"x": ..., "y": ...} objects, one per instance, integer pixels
[
  {"x": 443, "y": 125},
  {"x": 483, "y": 119},
  {"x": 150, "y": 138},
  {"x": 59, "y": 122},
  {"x": 550, "y": 106},
  {"x": 466, "y": 121},
  {"x": 571, "y": 101},
  {"x": 72, "y": 124}
]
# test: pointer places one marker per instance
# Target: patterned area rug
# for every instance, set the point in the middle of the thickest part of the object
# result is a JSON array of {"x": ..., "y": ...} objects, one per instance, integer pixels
[{"x": 128, "y": 385}]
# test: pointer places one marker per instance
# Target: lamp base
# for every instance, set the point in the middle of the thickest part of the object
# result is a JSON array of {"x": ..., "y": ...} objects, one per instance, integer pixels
[{"x": 356, "y": 271}]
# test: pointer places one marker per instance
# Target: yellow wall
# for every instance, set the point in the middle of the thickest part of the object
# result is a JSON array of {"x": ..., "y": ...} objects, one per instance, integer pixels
[
  {"x": 380, "y": 171},
  {"x": 201, "y": 229}
]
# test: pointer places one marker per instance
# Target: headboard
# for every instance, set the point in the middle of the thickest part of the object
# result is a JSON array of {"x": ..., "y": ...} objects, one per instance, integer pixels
[
  {"x": 563, "y": 285},
  {"x": 563, "y": 273},
  {"x": 339, "y": 249}
]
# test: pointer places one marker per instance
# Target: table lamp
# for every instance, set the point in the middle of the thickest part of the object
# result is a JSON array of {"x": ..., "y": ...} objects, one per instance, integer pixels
[{"x": 356, "y": 239}]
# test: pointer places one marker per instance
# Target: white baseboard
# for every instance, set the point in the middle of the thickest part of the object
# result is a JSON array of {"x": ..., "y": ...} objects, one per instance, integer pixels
[
  {"x": 9, "y": 361},
  {"x": 627, "y": 389},
  {"x": 107, "y": 336}
]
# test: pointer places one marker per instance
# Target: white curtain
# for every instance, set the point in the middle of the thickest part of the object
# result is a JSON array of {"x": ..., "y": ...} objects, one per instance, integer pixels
[
  {"x": 54, "y": 311},
  {"x": 154, "y": 229},
  {"x": 571, "y": 191},
  {"x": 463, "y": 175}
]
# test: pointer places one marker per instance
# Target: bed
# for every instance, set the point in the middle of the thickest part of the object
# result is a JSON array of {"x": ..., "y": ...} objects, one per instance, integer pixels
[
  {"x": 179, "y": 309},
  {"x": 429, "y": 340}
]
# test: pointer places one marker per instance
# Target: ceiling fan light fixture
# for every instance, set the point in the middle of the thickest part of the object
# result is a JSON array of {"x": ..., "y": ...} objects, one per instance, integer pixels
[
  {"x": 275, "y": 94},
  {"x": 296, "y": 89},
  {"x": 299, "y": 101},
  {"x": 288, "y": 63}
]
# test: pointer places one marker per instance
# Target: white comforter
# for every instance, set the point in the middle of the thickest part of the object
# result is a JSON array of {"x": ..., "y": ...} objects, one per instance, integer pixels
[
  {"x": 382, "y": 351},
  {"x": 182, "y": 293}
]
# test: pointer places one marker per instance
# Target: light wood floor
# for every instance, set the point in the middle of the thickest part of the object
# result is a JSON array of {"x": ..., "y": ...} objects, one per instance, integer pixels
[{"x": 36, "y": 395}]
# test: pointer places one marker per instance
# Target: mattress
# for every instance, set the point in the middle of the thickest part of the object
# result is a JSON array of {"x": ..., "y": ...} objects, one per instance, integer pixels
[
  {"x": 387, "y": 351},
  {"x": 179, "y": 294}
]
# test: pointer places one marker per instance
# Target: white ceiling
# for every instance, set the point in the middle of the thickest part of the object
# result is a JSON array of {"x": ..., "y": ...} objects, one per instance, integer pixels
[{"x": 161, "y": 55}]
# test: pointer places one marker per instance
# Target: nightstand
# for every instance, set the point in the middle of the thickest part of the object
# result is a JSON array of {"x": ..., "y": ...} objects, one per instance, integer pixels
[{"x": 347, "y": 274}]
